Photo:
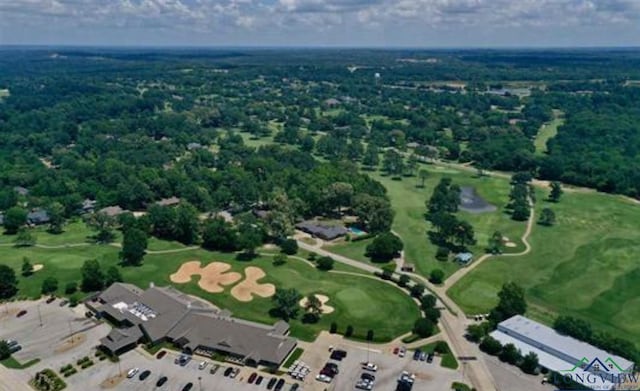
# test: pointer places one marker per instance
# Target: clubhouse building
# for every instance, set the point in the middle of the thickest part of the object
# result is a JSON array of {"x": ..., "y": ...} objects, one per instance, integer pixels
[
  {"x": 569, "y": 357},
  {"x": 161, "y": 314}
]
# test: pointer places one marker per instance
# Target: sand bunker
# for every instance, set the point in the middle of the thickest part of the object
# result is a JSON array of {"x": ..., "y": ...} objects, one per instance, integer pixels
[
  {"x": 212, "y": 277},
  {"x": 510, "y": 244},
  {"x": 245, "y": 290},
  {"x": 37, "y": 266},
  {"x": 326, "y": 309}
]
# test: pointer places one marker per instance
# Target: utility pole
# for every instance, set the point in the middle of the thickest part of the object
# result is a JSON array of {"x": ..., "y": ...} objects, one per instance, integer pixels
[
  {"x": 39, "y": 315},
  {"x": 200, "y": 382},
  {"x": 70, "y": 330}
]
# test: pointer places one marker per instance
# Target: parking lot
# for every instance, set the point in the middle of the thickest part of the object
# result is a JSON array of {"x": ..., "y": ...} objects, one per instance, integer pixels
[
  {"x": 428, "y": 376},
  {"x": 49, "y": 331},
  {"x": 177, "y": 375}
]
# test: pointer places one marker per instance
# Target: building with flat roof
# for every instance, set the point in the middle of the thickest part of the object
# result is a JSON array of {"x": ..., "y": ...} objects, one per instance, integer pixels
[
  {"x": 562, "y": 354},
  {"x": 161, "y": 314}
]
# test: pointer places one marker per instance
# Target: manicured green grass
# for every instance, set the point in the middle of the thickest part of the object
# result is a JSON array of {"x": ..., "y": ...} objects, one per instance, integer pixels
[
  {"x": 12, "y": 363},
  {"x": 408, "y": 201},
  {"x": 296, "y": 354},
  {"x": 361, "y": 301},
  {"x": 354, "y": 250},
  {"x": 449, "y": 361},
  {"x": 585, "y": 266},
  {"x": 546, "y": 133}
]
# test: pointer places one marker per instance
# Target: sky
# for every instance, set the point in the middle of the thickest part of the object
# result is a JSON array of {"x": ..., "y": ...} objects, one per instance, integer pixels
[{"x": 350, "y": 23}]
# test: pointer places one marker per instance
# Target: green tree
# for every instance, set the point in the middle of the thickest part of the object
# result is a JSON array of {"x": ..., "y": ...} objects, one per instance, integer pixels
[
  {"x": 464, "y": 234},
  {"x": 56, "y": 217},
  {"x": 325, "y": 263},
  {"x": 521, "y": 211},
  {"x": 436, "y": 276},
  {"x": 371, "y": 160},
  {"x": 313, "y": 307},
  {"x": 339, "y": 195},
  {"x": 547, "y": 217},
  {"x": 510, "y": 354},
  {"x": 27, "y": 267},
  {"x": 384, "y": 247},
  {"x": 279, "y": 259},
  {"x": 25, "y": 238},
  {"x": 490, "y": 345},
  {"x": 5, "y": 351},
  {"x": 8, "y": 282},
  {"x": 476, "y": 332},
  {"x": 249, "y": 239},
  {"x": 71, "y": 288},
  {"x": 403, "y": 280},
  {"x": 286, "y": 303},
  {"x": 289, "y": 246},
  {"x": 417, "y": 290},
  {"x": 218, "y": 234},
  {"x": 92, "y": 276},
  {"x": 494, "y": 245},
  {"x": 349, "y": 331},
  {"x": 422, "y": 176},
  {"x": 163, "y": 221},
  {"x": 424, "y": 328},
  {"x": 530, "y": 363},
  {"x": 187, "y": 223},
  {"x": 49, "y": 285},
  {"x": 112, "y": 275},
  {"x": 134, "y": 246},
  {"x": 512, "y": 302},
  {"x": 556, "y": 191},
  {"x": 374, "y": 213},
  {"x": 14, "y": 218},
  {"x": 393, "y": 163},
  {"x": 104, "y": 225}
]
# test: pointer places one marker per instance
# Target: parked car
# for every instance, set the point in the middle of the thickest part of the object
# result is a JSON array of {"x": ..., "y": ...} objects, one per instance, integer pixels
[
  {"x": 161, "y": 381},
  {"x": 369, "y": 366},
  {"x": 144, "y": 375},
  {"x": 132, "y": 372},
  {"x": 294, "y": 387},
  {"x": 228, "y": 371},
  {"x": 63, "y": 302},
  {"x": 214, "y": 369},
  {"x": 272, "y": 382},
  {"x": 50, "y": 300},
  {"x": 15, "y": 348},
  {"x": 187, "y": 386},
  {"x": 11, "y": 342},
  {"x": 368, "y": 376},
  {"x": 161, "y": 354},
  {"x": 202, "y": 365},
  {"x": 252, "y": 378},
  {"x": 396, "y": 350},
  {"x": 338, "y": 355},
  {"x": 423, "y": 356},
  {"x": 416, "y": 354},
  {"x": 430, "y": 358},
  {"x": 402, "y": 351},
  {"x": 21, "y": 313},
  {"x": 259, "y": 380},
  {"x": 234, "y": 373},
  {"x": 323, "y": 378},
  {"x": 279, "y": 385}
]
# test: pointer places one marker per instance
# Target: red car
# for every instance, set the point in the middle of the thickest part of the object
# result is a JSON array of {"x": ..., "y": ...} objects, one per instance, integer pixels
[
  {"x": 161, "y": 354},
  {"x": 21, "y": 313},
  {"x": 252, "y": 377},
  {"x": 395, "y": 350}
]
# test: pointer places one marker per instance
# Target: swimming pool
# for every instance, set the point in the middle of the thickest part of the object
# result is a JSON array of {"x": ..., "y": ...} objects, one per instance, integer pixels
[{"x": 356, "y": 231}]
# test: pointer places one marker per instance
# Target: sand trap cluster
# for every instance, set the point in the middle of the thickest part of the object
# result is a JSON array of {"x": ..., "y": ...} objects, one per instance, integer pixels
[
  {"x": 213, "y": 277},
  {"x": 508, "y": 243},
  {"x": 37, "y": 266},
  {"x": 326, "y": 309},
  {"x": 245, "y": 290}
]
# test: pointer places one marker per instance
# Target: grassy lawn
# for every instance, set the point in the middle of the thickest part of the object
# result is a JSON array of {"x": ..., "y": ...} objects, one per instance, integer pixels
[
  {"x": 75, "y": 232},
  {"x": 547, "y": 132},
  {"x": 408, "y": 201},
  {"x": 585, "y": 266},
  {"x": 354, "y": 250},
  {"x": 448, "y": 359},
  {"x": 297, "y": 353},
  {"x": 362, "y": 302},
  {"x": 12, "y": 363}
]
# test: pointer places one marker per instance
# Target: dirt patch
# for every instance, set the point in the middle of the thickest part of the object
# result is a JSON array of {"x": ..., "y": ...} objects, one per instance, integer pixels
[
  {"x": 245, "y": 290},
  {"x": 326, "y": 309},
  {"x": 71, "y": 342},
  {"x": 38, "y": 266},
  {"x": 113, "y": 381},
  {"x": 213, "y": 277}
]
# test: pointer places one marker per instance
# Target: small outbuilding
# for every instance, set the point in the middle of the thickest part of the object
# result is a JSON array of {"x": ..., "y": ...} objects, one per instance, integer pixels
[
  {"x": 408, "y": 267},
  {"x": 322, "y": 231},
  {"x": 38, "y": 217}
]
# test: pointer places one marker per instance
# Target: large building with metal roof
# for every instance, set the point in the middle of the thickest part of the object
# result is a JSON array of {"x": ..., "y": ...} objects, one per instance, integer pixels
[
  {"x": 563, "y": 354},
  {"x": 165, "y": 314}
]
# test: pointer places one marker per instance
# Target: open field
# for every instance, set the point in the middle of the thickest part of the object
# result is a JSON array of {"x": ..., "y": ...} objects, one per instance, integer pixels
[
  {"x": 547, "y": 132},
  {"x": 361, "y": 301},
  {"x": 586, "y": 266},
  {"x": 409, "y": 204}
]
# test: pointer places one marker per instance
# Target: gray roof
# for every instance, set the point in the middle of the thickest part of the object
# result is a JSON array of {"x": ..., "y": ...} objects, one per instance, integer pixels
[
  {"x": 321, "y": 230},
  {"x": 112, "y": 211},
  {"x": 21, "y": 190},
  {"x": 121, "y": 338},
  {"x": 38, "y": 216},
  {"x": 168, "y": 201},
  {"x": 568, "y": 349},
  {"x": 162, "y": 312}
]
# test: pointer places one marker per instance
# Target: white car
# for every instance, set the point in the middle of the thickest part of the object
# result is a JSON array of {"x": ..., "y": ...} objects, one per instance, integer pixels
[
  {"x": 203, "y": 365},
  {"x": 132, "y": 372},
  {"x": 402, "y": 352},
  {"x": 369, "y": 366},
  {"x": 323, "y": 378}
]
